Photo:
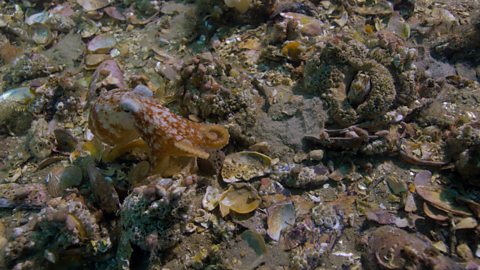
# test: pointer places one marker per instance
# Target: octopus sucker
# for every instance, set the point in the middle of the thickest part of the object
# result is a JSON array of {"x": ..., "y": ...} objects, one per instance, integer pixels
[
  {"x": 216, "y": 135},
  {"x": 172, "y": 140}
]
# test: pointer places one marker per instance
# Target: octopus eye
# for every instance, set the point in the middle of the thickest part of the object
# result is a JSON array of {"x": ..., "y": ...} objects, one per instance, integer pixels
[
  {"x": 129, "y": 105},
  {"x": 143, "y": 90}
]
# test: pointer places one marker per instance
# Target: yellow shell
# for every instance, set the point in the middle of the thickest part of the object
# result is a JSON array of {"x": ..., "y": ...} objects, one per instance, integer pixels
[{"x": 240, "y": 198}]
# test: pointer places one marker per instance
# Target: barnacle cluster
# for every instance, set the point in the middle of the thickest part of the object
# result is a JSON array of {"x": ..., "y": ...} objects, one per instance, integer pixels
[
  {"x": 152, "y": 217},
  {"x": 67, "y": 221},
  {"x": 211, "y": 89},
  {"x": 30, "y": 67}
]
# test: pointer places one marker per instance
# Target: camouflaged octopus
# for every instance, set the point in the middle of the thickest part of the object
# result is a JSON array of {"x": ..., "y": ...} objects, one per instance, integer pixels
[
  {"x": 129, "y": 119},
  {"x": 354, "y": 87}
]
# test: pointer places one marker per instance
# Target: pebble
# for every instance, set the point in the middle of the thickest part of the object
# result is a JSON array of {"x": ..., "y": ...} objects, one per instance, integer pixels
[{"x": 316, "y": 155}]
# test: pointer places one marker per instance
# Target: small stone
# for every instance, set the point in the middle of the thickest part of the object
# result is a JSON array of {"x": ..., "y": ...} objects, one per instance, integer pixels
[
  {"x": 300, "y": 157},
  {"x": 441, "y": 246},
  {"x": 262, "y": 147},
  {"x": 49, "y": 256},
  {"x": 92, "y": 5},
  {"x": 316, "y": 155},
  {"x": 465, "y": 252},
  {"x": 101, "y": 44},
  {"x": 93, "y": 60}
]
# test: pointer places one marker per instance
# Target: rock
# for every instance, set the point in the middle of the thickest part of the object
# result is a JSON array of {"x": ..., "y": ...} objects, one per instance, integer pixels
[
  {"x": 101, "y": 44},
  {"x": 316, "y": 155}
]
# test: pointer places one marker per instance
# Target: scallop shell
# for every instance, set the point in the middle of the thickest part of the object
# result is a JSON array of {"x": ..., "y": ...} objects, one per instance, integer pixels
[{"x": 245, "y": 166}]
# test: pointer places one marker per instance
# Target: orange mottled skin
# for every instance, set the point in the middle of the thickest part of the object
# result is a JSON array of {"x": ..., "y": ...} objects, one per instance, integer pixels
[{"x": 167, "y": 135}]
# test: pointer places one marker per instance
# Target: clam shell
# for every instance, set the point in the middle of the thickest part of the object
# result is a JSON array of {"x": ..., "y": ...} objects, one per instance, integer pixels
[
  {"x": 245, "y": 166},
  {"x": 240, "y": 198}
]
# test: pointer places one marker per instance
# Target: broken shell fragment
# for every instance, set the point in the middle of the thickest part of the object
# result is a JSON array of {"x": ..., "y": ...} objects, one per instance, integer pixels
[
  {"x": 245, "y": 166},
  {"x": 280, "y": 216},
  {"x": 211, "y": 198},
  {"x": 466, "y": 223},
  {"x": 92, "y": 5},
  {"x": 434, "y": 213},
  {"x": 255, "y": 241},
  {"x": 240, "y": 198},
  {"x": 442, "y": 199}
]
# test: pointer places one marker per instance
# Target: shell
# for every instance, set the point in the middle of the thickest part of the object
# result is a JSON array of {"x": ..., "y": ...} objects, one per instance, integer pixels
[
  {"x": 442, "y": 199},
  {"x": 60, "y": 178},
  {"x": 14, "y": 101},
  {"x": 211, "y": 198},
  {"x": 307, "y": 25},
  {"x": 255, "y": 241},
  {"x": 240, "y": 198},
  {"x": 359, "y": 88},
  {"x": 280, "y": 216},
  {"x": 88, "y": 28},
  {"x": 245, "y": 166}
]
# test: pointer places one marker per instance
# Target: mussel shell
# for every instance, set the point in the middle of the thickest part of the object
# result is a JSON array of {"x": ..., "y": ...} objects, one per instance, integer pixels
[
  {"x": 61, "y": 178},
  {"x": 359, "y": 89}
]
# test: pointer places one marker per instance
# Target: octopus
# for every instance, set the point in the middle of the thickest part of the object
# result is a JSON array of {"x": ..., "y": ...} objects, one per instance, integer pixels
[{"x": 133, "y": 119}]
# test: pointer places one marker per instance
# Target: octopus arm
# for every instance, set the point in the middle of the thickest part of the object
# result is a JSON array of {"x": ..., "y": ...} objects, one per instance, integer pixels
[
  {"x": 215, "y": 136},
  {"x": 189, "y": 149}
]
